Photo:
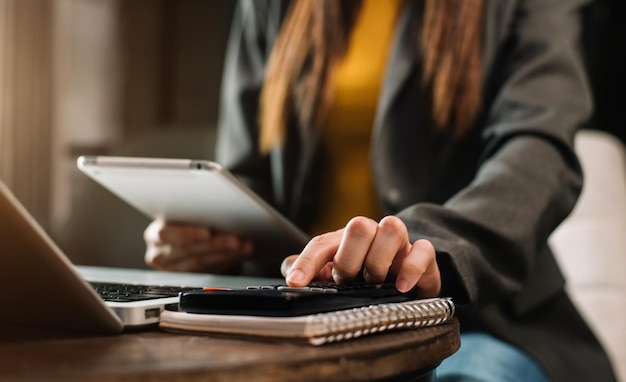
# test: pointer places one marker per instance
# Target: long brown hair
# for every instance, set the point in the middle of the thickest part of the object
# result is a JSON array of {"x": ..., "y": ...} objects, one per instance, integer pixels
[{"x": 315, "y": 35}]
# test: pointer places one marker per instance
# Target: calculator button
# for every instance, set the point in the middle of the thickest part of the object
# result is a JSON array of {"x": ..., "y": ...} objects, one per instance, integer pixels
[{"x": 287, "y": 288}]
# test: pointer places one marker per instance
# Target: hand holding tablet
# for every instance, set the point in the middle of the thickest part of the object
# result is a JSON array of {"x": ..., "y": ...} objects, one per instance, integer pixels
[{"x": 196, "y": 192}]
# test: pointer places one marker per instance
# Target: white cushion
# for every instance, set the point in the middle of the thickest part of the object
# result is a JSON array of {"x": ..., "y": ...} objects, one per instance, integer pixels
[{"x": 590, "y": 244}]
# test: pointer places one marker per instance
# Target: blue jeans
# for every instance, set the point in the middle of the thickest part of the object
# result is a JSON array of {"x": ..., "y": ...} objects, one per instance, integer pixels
[{"x": 483, "y": 358}]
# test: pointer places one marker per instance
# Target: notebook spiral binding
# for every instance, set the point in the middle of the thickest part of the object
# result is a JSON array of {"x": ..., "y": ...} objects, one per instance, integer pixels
[{"x": 357, "y": 322}]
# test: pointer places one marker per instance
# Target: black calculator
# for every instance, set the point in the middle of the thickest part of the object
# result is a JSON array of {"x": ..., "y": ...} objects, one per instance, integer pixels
[{"x": 284, "y": 301}]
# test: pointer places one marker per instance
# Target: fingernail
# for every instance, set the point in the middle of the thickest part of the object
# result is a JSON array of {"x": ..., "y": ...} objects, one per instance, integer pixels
[
  {"x": 337, "y": 277},
  {"x": 296, "y": 276},
  {"x": 371, "y": 279},
  {"x": 402, "y": 285}
]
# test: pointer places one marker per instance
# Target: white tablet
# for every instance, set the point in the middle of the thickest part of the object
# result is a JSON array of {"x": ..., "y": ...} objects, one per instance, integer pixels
[{"x": 198, "y": 192}]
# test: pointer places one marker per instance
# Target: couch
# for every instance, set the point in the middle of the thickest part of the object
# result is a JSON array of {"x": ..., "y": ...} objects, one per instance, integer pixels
[{"x": 590, "y": 244}]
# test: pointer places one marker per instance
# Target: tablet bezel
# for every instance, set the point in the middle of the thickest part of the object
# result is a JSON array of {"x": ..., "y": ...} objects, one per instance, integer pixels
[{"x": 198, "y": 192}]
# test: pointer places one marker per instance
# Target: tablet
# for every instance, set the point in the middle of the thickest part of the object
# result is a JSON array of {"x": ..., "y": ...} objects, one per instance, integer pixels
[{"x": 198, "y": 192}]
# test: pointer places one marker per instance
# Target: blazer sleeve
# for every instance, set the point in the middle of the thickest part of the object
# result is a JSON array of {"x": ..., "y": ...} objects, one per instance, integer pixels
[{"x": 491, "y": 237}]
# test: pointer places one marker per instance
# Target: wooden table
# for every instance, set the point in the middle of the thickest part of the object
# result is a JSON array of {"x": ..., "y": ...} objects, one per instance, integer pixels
[{"x": 160, "y": 356}]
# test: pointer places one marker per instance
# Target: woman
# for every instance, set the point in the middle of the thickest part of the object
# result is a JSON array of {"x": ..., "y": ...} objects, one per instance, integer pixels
[{"x": 455, "y": 189}]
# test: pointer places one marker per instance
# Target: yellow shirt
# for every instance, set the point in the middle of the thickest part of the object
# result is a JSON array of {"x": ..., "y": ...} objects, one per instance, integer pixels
[{"x": 347, "y": 187}]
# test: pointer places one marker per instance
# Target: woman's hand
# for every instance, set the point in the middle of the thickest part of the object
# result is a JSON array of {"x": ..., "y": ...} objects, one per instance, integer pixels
[
  {"x": 379, "y": 249},
  {"x": 177, "y": 247}
]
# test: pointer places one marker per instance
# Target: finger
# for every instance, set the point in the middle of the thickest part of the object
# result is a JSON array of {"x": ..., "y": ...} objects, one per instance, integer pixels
[
  {"x": 285, "y": 266},
  {"x": 227, "y": 243},
  {"x": 151, "y": 233},
  {"x": 355, "y": 244},
  {"x": 159, "y": 232},
  {"x": 152, "y": 255},
  {"x": 201, "y": 257},
  {"x": 391, "y": 240},
  {"x": 165, "y": 256},
  {"x": 419, "y": 268},
  {"x": 324, "y": 274},
  {"x": 314, "y": 257},
  {"x": 208, "y": 252}
]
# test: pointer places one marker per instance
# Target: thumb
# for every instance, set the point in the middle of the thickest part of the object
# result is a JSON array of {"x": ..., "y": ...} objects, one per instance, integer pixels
[{"x": 286, "y": 265}]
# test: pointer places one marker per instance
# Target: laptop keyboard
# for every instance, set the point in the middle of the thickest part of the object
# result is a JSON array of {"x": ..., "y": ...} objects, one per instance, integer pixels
[{"x": 120, "y": 292}]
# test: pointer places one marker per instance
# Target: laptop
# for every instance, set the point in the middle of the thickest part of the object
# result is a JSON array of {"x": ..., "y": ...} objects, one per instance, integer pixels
[{"x": 42, "y": 288}]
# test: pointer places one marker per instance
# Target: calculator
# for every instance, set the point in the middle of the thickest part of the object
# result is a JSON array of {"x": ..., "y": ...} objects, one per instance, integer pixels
[{"x": 283, "y": 300}]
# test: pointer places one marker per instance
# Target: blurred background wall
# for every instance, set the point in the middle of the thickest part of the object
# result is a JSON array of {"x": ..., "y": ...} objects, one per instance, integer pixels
[
  {"x": 130, "y": 67},
  {"x": 26, "y": 107},
  {"x": 102, "y": 77}
]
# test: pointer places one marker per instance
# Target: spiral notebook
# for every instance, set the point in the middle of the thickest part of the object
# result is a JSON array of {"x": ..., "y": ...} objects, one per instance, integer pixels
[{"x": 320, "y": 328}]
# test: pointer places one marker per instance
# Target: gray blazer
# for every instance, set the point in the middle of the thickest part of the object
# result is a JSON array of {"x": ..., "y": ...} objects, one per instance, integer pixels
[{"x": 489, "y": 201}]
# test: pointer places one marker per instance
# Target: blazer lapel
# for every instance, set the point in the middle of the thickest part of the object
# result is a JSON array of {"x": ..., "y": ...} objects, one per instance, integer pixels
[
  {"x": 498, "y": 15},
  {"x": 401, "y": 61}
]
